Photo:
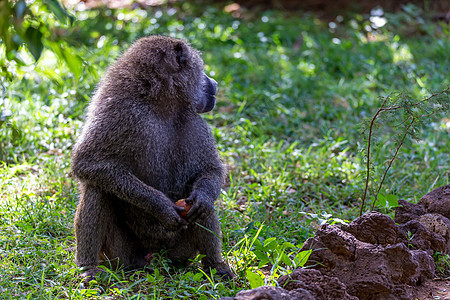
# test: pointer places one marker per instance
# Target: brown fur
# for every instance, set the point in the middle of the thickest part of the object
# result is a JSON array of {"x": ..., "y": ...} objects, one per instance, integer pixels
[{"x": 142, "y": 148}]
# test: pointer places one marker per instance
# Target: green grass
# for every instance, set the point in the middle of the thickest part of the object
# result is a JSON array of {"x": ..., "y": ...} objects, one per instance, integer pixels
[{"x": 292, "y": 95}]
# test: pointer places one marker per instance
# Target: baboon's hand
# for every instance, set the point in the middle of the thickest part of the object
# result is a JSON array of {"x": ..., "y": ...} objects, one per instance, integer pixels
[
  {"x": 201, "y": 208},
  {"x": 171, "y": 219}
]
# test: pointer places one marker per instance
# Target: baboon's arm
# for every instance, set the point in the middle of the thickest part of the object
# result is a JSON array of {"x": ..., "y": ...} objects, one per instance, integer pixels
[
  {"x": 113, "y": 178},
  {"x": 210, "y": 182},
  {"x": 206, "y": 190}
]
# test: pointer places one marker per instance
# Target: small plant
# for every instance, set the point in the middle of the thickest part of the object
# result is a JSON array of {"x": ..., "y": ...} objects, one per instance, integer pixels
[
  {"x": 324, "y": 218},
  {"x": 442, "y": 262},
  {"x": 278, "y": 257},
  {"x": 410, "y": 237},
  {"x": 408, "y": 114},
  {"x": 275, "y": 258},
  {"x": 243, "y": 256}
]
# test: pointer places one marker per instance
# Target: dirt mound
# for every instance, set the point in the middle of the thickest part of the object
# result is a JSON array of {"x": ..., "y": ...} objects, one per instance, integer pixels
[
  {"x": 302, "y": 284},
  {"x": 319, "y": 285},
  {"x": 427, "y": 223},
  {"x": 373, "y": 257},
  {"x": 369, "y": 270},
  {"x": 271, "y": 293},
  {"x": 437, "y": 201}
]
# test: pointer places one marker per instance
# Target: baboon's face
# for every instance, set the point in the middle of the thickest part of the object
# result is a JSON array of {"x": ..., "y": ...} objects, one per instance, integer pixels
[
  {"x": 207, "y": 99},
  {"x": 168, "y": 69}
]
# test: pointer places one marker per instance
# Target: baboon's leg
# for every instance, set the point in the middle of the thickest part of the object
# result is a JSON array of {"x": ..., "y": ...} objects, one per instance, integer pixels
[
  {"x": 89, "y": 229},
  {"x": 207, "y": 241},
  {"x": 98, "y": 234},
  {"x": 121, "y": 247}
]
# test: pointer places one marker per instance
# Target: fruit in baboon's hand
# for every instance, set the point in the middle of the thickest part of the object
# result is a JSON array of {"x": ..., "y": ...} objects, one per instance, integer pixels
[{"x": 186, "y": 206}]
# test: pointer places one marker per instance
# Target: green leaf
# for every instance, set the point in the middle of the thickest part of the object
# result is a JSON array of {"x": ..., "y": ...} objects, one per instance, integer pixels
[
  {"x": 254, "y": 279},
  {"x": 61, "y": 13},
  {"x": 288, "y": 245},
  {"x": 270, "y": 243},
  {"x": 302, "y": 257},
  {"x": 264, "y": 261},
  {"x": 258, "y": 245},
  {"x": 13, "y": 45},
  {"x": 392, "y": 200},
  {"x": 33, "y": 40},
  {"x": 260, "y": 254},
  {"x": 50, "y": 73},
  {"x": 197, "y": 277},
  {"x": 256, "y": 235},
  {"x": 381, "y": 200},
  {"x": 285, "y": 259},
  {"x": 72, "y": 60}
]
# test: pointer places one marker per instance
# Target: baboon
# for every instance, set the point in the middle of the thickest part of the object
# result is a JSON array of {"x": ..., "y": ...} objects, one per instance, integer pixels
[{"x": 143, "y": 147}]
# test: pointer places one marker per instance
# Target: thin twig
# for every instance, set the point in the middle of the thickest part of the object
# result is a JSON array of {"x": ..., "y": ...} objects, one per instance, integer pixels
[
  {"x": 368, "y": 155},
  {"x": 418, "y": 102},
  {"x": 392, "y": 160},
  {"x": 369, "y": 143}
]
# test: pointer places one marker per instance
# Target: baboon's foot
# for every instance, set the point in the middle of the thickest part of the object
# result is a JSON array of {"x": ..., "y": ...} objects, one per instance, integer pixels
[
  {"x": 222, "y": 270},
  {"x": 148, "y": 258},
  {"x": 89, "y": 273}
]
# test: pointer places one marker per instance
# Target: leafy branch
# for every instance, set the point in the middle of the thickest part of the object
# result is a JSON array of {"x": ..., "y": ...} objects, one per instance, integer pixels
[
  {"x": 413, "y": 112},
  {"x": 34, "y": 26}
]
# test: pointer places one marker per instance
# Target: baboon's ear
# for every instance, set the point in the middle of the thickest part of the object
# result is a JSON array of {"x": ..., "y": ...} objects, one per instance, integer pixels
[{"x": 181, "y": 52}]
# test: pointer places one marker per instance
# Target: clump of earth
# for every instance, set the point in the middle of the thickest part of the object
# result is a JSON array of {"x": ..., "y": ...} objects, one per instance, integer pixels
[{"x": 374, "y": 257}]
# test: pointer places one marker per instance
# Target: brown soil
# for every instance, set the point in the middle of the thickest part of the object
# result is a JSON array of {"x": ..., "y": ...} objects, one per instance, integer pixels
[
  {"x": 373, "y": 258},
  {"x": 437, "y": 289}
]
